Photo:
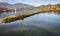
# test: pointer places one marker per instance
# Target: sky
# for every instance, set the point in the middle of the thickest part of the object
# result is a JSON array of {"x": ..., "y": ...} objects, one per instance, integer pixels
[{"x": 32, "y": 2}]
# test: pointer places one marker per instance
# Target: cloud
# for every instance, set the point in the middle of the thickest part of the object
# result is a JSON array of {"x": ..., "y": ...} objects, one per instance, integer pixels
[{"x": 32, "y": 2}]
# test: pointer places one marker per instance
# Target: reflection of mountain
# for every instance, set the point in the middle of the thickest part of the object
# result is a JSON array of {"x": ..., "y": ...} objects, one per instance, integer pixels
[{"x": 17, "y": 5}]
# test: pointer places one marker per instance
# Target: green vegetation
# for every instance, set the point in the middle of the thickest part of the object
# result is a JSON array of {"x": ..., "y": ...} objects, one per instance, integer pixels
[
  {"x": 20, "y": 17},
  {"x": 53, "y": 8},
  {"x": 11, "y": 19}
]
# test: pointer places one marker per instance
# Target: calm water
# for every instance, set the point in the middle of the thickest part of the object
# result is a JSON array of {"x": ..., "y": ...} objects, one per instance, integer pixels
[{"x": 43, "y": 24}]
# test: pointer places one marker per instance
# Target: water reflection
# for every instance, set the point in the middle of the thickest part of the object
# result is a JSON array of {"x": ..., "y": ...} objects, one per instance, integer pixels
[{"x": 43, "y": 24}]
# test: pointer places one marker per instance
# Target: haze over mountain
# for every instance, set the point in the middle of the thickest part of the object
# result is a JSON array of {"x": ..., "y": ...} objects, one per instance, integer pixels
[
  {"x": 17, "y": 5},
  {"x": 44, "y": 6}
]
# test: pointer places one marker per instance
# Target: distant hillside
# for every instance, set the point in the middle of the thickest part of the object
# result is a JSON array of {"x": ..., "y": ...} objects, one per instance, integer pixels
[
  {"x": 52, "y": 8},
  {"x": 44, "y": 6},
  {"x": 17, "y": 5}
]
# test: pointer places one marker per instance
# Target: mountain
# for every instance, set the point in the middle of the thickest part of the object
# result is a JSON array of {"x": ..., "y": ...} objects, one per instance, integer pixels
[
  {"x": 52, "y": 8},
  {"x": 17, "y": 5},
  {"x": 3, "y": 5},
  {"x": 44, "y": 6},
  {"x": 21, "y": 5}
]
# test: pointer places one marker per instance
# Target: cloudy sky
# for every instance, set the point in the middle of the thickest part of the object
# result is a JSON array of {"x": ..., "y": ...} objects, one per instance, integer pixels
[{"x": 32, "y": 2}]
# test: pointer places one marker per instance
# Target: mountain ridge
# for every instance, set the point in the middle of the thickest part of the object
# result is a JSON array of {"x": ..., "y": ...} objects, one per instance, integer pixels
[{"x": 17, "y": 5}]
